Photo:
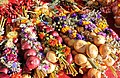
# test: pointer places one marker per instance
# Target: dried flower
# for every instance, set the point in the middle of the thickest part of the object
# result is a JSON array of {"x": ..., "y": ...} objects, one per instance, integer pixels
[
  {"x": 67, "y": 51},
  {"x": 53, "y": 42}
]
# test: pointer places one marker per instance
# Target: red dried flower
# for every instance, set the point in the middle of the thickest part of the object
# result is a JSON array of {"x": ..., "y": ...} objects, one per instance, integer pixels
[{"x": 53, "y": 42}]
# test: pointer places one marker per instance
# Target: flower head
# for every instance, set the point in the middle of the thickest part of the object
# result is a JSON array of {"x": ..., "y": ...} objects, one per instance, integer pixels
[
  {"x": 53, "y": 42},
  {"x": 66, "y": 51}
]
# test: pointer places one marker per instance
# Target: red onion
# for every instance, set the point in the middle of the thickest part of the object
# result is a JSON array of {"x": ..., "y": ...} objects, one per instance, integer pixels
[
  {"x": 4, "y": 70},
  {"x": 54, "y": 33},
  {"x": 115, "y": 9},
  {"x": 30, "y": 52},
  {"x": 69, "y": 58},
  {"x": 3, "y": 75},
  {"x": 59, "y": 39},
  {"x": 32, "y": 62},
  {"x": 26, "y": 46}
]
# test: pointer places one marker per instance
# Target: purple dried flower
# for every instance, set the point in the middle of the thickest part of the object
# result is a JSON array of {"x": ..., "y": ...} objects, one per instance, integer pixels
[
  {"x": 63, "y": 17},
  {"x": 63, "y": 25},
  {"x": 99, "y": 15},
  {"x": 102, "y": 33},
  {"x": 74, "y": 15},
  {"x": 79, "y": 36},
  {"x": 84, "y": 16},
  {"x": 69, "y": 31},
  {"x": 90, "y": 27},
  {"x": 46, "y": 67},
  {"x": 79, "y": 23},
  {"x": 14, "y": 65}
]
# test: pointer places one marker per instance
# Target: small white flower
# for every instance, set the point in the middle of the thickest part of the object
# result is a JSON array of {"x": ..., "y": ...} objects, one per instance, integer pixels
[{"x": 22, "y": 25}]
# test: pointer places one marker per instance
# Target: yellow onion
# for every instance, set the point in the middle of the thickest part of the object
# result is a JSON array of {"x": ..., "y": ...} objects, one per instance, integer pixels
[
  {"x": 117, "y": 21},
  {"x": 94, "y": 73},
  {"x": 51, "y": 68},
  {"x": 92, "y": 34},
  {"x": 66, "y": 40},
  {"x": 115, "y": 9},
  {"x": 92, "y": 50},
  {"x": 26, "y": 76},
  {"x": 87, "y": 65},
  {"x": 109, "y": 61},
  {"x": 80, "y": 59},
  {"x": 71, "y": 42},
  {"x": 99, "y": 39},
  {"x": 104, "y": 50},
  {"x": 74, "y": 52},
  {"x": 80, "y": 46},
  {"x": 51, "y": 57}
]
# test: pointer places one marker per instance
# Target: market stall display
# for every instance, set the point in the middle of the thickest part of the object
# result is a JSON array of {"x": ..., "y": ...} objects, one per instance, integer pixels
[{"x": 56, "y": 39}]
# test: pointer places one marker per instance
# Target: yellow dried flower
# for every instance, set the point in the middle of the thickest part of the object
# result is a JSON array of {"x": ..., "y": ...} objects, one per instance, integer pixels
[
  {"x": 85, "y": 22},
  {"x": 102, "y": 25},
  {"x": 62, "y": 14},
  {"x": 96, "y": 30},
  {"x": 37, "y": 21},
  {"x": 12, "y": 34},
  {"x": 73, "y": 35},
  {"x": 65, "y": 29}
]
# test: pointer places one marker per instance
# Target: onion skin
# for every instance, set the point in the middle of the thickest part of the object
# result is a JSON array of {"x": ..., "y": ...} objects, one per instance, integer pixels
[
  {"x": 94, "y": 73},
  {"x": 26, "y": 76},
  {"x": 85, "y": 76},
  {"x": 26, "y": 46},
  {"x": 109, "y": 61},
  {"x": 69, "y": 58},
  {"x": 59, "y": 39},
  {"x": 54, "y": 33},
  {"x": 66, "y": 39},
  {"x": 104, "y": 50},
  {"x": 71, "y": 42},
  {"x": 92, "y": 50},
  {"x": 51, "y": 57},
  {"x": 80, "y": 46},
  {"x": 4, "y": 70},
  {"x": 32, "y": 62},
  {"x": 30, "y": 52},
  {"x": 80, "y": 59},
  {"x": 117, "y": 21},
  {"x": 3, "y": 75},
  {"x": 115, "y": 9},
  {"x": 99, "y": 39}
]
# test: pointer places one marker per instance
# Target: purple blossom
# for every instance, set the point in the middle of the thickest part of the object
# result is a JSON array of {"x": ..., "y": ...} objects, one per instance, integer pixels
[
  {"x": 63, "y": 17},
  {"x": 99, "y": 15},
  {"x": 90, "y": 27},
  {"x": 46, "y": 67},
  {"x": 103, "y": 34},
  {"x": 84, "y": 16},
  {"x": 79, "y": 23},
  {"x": 74, "y": 15},
  {"x": 118, "y": 39},
  {"x": 14, "y": 65},
  {"x": 79, "y": 36},
  {"x": 26, "y": 35},
  {"x": 69, "y": 31},
  {"x": 63, "y": 25}
]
